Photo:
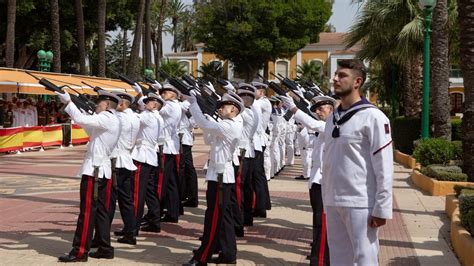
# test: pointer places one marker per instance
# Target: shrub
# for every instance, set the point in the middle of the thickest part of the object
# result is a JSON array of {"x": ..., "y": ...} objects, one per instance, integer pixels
[
  {"x": 444, "y": 173},
  {"x": 466, "y": 204},
  {"x": 459, "y": 188},
  {"x": 434, "y": 151},
  {"x": 405, "y": 132},
  {"x": 456, "y": 129},
  {"x": 470, "y": 218},
  {"x": 457, "y": 147}
]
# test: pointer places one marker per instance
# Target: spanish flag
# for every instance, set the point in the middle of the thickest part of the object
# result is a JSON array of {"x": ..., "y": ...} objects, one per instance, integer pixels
[
  {"x": 32, "y": 137},
  {"x": 78, "y": 134},
  {"x": 52, "y": 135},
  {"x": 11, "y": 139}
]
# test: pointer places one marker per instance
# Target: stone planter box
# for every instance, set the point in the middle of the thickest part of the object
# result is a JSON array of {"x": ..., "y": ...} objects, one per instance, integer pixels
[
  {"x": 451, "y": 205},
  {"x": 462, "y": 241},
  {"x": 434, "y": 187},
  {"x": 404, "y": 159}
]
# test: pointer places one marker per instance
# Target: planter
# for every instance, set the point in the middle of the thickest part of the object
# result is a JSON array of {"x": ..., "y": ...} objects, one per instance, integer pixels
[
  {"x": 404, "y": 159},
  {"x": 462, "y": 241},
  {"x": 451, "y": 205},
  {"x": 434, "y": 187}
]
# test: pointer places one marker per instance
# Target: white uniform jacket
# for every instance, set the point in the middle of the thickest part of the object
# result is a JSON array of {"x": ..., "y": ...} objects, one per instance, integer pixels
[
  {"x": 265, "y": 107},
  {"x": 249, "y": 128},
  {"x": 104, "y": 131},
  {"x": 257, "y": 139},
  {"x": 358, "y": 165},
  {"x": 147, "y": 139},
  {"x": 186, "y": 125},
  {"x": 171, "y": 114},
  {"x": 130, "y": 126},
  {"x": 225, "y": 136}
]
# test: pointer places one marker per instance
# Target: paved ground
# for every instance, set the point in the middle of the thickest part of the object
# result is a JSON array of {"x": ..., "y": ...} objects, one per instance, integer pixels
[{"x": 39, "y": 205}]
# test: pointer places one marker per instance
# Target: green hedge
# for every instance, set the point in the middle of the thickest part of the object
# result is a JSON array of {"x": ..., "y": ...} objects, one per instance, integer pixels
[
  {"x": 466, "y": 205},
  {"x": 459, "y": 188},
  {"x": 456, "y": 129},
  {"x": 404, "y": 132},
  {"x": 444, "y": 173},
  {"x": 436, "y": 151}
]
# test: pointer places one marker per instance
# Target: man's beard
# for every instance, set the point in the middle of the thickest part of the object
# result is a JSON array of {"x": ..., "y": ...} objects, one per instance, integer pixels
[{"x": 343, "y": 93}]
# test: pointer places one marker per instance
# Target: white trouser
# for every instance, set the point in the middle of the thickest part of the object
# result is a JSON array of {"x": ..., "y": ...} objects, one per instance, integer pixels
[
  {"x": 297, "y": 147},
  {"x": 306, "y": 161},
  {"x": 274, "y": 157},
  {"x": 351, "y": 241},
  {"x": 282, "y": 147},
  {"x": 267, "y": 164},
  {"x": 290, "y": 148}
]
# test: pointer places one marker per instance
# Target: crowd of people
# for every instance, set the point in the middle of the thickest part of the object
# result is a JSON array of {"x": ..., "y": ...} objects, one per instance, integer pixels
[
  {"x": 28, "y": 112},
  {"x": 144, "y": 156}
]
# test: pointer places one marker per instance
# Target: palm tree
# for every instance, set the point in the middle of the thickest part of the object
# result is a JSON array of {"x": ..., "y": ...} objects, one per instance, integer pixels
[
  {"x": 133, "y": 62},
  {"x": 212, "y": 69},
  {"x": 147, "y": 39},
  {"x": 157, "y": 31},
  {"x": 185, "y": 36},
  {"x": 172, "y": 67},
  {"x": 175, "y": 8},
  {"x": 81, "y": 43},
  {"x": 10, "y": 40},
  {"x": 310, "y": 71},
  {"x": 440, "y": 71},
  {"x": 55, "y": 36},
  {"x": 466, "y": 24},
  {"x": 101, "y": 37}
]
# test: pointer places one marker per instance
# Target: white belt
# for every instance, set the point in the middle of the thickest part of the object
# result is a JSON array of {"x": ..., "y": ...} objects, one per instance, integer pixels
[{"x": 146, "y": 143}]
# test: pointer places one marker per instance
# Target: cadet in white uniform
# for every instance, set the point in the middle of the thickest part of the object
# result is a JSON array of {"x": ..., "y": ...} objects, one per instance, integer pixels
[
  {"x": 218, "y": 224},
  {"x": 103, "y": 129},
  {"x": 357, "y": 171}
]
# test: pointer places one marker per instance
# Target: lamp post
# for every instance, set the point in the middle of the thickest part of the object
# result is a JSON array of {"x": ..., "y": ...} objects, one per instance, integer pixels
[
  {"x": 44, "y": 60},
  {"x": 425, "y": 114}
]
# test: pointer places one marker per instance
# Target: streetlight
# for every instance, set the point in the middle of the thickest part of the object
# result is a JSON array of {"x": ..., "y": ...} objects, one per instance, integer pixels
[
  {"x": 44, "y": 60},
  {"x": 425, "y": 114}
]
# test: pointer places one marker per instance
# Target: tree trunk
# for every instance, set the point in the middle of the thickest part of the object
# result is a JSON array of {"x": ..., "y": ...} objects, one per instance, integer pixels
[
  {"x": 10, "y": 40},
  {"x": 413, "y": 87},
  {"x": 101, "y": 38},
  {"x": 147, "y": 54},
  {"x": 124, "y": 51},
  {"x": 440, "y": 71},
  {"x": 175, "y": 34},
  {"x": 133, "y": 62},
  {"x": 55, "y": 36},
  {"x": 81, "y": 39},
  {"x": 159, "y": 37},
  {"x": 466, "y": 24}
]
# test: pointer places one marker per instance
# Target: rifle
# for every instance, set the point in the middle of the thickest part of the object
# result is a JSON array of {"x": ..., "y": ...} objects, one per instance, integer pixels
[
  {"x": 95, "y": 88},
  {"x": 81, "y": 101},
  {"x": 130, "y": 82}
]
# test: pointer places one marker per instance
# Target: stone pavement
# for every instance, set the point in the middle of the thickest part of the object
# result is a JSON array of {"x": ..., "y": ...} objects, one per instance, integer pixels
[{"x": 39, "y": 205}]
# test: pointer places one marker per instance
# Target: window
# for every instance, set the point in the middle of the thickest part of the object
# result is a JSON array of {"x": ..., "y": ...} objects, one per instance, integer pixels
[
  {"x": 186, "y": 66},
  {"x": 456, "y": 102},
  {"x": 282, "y": 68}
]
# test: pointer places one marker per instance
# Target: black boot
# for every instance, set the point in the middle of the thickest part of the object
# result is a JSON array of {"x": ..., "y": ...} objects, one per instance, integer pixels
[{"x": 72, "y": 258}]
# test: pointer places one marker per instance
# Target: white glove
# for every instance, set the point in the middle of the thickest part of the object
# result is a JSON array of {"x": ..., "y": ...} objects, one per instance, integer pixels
[
  {"x": 137, "y": 88},
  {"x": 229, "y": 86},
  {"x": 210, "y": 86},
  {"x": 65, "y": 98},
  {"x": 288, "y": 102},
  {"x": 156, "y": 85}
]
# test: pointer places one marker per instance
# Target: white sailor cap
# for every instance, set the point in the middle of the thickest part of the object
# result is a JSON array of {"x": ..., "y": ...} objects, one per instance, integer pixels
[
  {"x": 169, "y": 87},
  {"x": 105, "y": 95},
  {"x": 246, "y": 89},
  {"x": 124, "y": 95},
  {"x": 259, "y": 85},
  {"x": 233, "y": 99},
  {"x": 321, "y": 100},
  {"x": 153, "y": 97}
]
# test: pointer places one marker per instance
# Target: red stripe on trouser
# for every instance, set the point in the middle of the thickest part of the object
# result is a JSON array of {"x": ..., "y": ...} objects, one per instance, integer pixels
[
  {"x": 136, "y": 188},
  {"x": 254, "y": 200},
  {"x": 107, "y": 194},
  {"x": 215, "y": 217},
  {"x": 322, "y": 242},
  {"x": 85, "y": 227},
  {"x": 178, "y": 159},
  {"x": 159, "y": 187},
  {"x": 237, "y": 191}
]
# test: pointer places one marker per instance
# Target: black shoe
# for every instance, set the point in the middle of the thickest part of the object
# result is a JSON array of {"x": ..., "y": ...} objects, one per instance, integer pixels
[
  {"x": 101, "y": 255},
  {"x": 248, "y": 223},
  {"x": 119, "y": 233},
  {"x": 220, "y": 260},
  {"x": 301, "y": 177},
  {"x": 239, "y": 232},
  {"x": 190, "y": 204},
  {"x": 72, "y": 258},
  {"x": 144, "y": 223},
  {"x": 94, "y": 244},
  {"x": 260, "y": 214},
  {"x": 194, "y": 262},
  {"x": 308, "y": 257},
  {"x": 181, "y": 210},
  {"x": 168, "y": 219},
  {"x": 151, "y": 228},
  {"x": 131, "y": 240}
]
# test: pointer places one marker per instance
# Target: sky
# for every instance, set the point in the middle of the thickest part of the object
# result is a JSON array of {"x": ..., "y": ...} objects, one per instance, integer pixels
[{"x": 343, "y": 15}]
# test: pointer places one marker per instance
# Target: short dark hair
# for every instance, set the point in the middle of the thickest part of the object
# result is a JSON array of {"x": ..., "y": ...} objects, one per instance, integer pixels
[{"x": 357, "y": 66}]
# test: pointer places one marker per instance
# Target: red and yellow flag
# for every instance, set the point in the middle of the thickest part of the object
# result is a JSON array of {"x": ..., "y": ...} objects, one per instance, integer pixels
[
  {"x": 11, "y": 139},
  {"x": 78, "y": 134}
]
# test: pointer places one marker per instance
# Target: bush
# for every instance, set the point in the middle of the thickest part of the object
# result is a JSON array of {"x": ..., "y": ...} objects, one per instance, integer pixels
[
  {"x": 456, "y": 129},
  {"x": 466, "y": 204},
  {"x": 436, "y": 151},
  {"x": 444, "y": 173},
  {"x": 457, "y": 147},
  {"x": 459, "y": 188},
  {"x": 405, "y": 132},
  {"x": 470, "y": 218}
]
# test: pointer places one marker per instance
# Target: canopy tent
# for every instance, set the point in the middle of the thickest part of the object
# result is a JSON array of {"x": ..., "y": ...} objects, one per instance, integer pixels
[{"x": 18, "y": 81}]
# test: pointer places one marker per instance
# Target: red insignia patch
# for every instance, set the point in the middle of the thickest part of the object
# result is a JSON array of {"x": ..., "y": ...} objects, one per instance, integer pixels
[{"x": 387, "y": 129}]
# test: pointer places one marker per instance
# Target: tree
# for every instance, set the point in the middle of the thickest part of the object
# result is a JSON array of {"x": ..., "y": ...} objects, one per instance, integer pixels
[
  {"x": 101, "y": 13},
  {"x": 440, "y": 71},
  {"x": 175, "y": 8},
  {"x": 466, "y": 24},
  {"x": 311, "y": 71},
  {"x": 133, "y": 62},
  {"x": 55, "y": 36},
  {"x": 10, "y": 41},
  {"x": 159, "y": 11},
  {"x": 212, "y": 69},
  {"x": 172, "y": 67},
  {"x": 235, "y": 30},
  {"x": 81, "y": 38},
  {"x": 184, "y": 34},
  {"x": 116, "y": 54},
  {"x": 147, "y": 44}
]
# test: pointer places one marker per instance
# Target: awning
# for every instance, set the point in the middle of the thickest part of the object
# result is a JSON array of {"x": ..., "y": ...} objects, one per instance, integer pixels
[{"x": 18, "y": 81}]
